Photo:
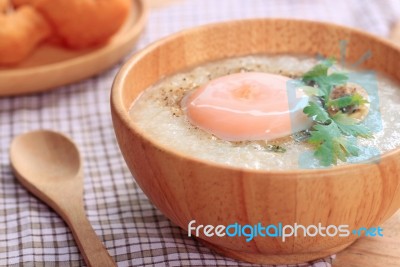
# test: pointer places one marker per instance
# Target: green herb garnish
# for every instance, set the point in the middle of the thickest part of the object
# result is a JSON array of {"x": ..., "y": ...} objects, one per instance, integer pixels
[
  {"x": 347, "y": 101},
  {"x": 334, "y": 133}
]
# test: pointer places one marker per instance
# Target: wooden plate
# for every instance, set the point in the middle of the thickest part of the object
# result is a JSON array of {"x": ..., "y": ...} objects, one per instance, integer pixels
[{"x": 51, "y": 66}]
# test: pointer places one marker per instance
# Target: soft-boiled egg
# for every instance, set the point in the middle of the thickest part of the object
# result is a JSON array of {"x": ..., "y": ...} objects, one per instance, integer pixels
[{"x": 248, "y": 106}]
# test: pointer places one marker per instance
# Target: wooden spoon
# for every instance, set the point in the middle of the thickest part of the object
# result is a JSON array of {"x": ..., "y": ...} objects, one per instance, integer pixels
[{"x": 48, "y": 164}]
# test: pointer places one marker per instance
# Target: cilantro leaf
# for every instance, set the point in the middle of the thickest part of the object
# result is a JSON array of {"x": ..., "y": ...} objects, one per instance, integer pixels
[
  {"x": 330, "y": 144},
  {"x": 346, "y": 101},
  {"x": 316, "y": 112},
  {"x": 318, "y": 70},
  {"x": 311, "y": 91},
  {"x": 337, "y": 78},
  {"x": 351, "y": 146},
  {"x": 327, "y": 82},
  {"x": 334, "y": 136},
  {"x": 319, "y": 75},
  {"x": 350, "y": 126}
]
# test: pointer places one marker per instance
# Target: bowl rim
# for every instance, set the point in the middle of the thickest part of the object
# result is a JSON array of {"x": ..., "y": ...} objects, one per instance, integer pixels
[{"x": 116, "y": 102}]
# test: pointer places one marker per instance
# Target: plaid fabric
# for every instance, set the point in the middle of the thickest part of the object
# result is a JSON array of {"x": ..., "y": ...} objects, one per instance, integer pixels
[{"x": 133, "y": 230}]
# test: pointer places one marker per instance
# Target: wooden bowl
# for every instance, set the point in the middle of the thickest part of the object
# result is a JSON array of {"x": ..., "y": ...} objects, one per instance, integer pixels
[{"x": 185, "y": 188}]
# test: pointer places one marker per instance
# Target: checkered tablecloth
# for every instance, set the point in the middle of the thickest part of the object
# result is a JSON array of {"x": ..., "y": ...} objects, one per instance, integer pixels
[{"x": 133, "y": 230}]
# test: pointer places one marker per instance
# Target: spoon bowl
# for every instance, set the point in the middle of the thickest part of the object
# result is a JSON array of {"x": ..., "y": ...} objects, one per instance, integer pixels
[
  {"x": 53, "y": 147},
  {"x": 48, "y": 164}
]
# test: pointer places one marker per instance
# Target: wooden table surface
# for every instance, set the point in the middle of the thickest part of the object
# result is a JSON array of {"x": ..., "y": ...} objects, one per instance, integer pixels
[{"x": 374, "y": 251}]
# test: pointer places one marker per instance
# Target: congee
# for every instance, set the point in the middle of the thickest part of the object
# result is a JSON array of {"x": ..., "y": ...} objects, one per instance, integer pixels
[{"x": 275, "y": 112}]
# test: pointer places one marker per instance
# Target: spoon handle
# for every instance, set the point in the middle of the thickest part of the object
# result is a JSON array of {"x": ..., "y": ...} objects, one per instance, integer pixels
[{"x": 90, "y": 246}]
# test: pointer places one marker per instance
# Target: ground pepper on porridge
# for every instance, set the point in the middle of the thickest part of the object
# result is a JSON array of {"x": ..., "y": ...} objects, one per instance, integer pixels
[{"x": 158, "y": 112}]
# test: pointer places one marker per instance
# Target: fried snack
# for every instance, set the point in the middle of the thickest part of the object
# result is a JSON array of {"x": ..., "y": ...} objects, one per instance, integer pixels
[
  {"x": 17, "y": 3},
  {"x": 20, "y": 33},
  {"x": 82, "y": 23},
  {"x": 4, "y": 6}
]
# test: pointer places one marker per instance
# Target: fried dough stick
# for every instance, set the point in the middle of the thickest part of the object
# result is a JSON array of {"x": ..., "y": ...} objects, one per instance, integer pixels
[
  {"x": 21, "y": 31},
  {"x": 82, "y": 23}
]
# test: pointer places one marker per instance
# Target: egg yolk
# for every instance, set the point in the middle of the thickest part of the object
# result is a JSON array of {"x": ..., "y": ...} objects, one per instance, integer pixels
[{"x": 247, "y": 106}]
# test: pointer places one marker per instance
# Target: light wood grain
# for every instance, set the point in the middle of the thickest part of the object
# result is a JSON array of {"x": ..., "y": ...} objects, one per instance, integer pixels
[
  {"x": 185, "y": 188},
  {"x": 52, "y": 66},
  {"x": 48, "y": 165},
  {"x": 395, "y": 33},
  {"x": 374, "y": 251}
]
